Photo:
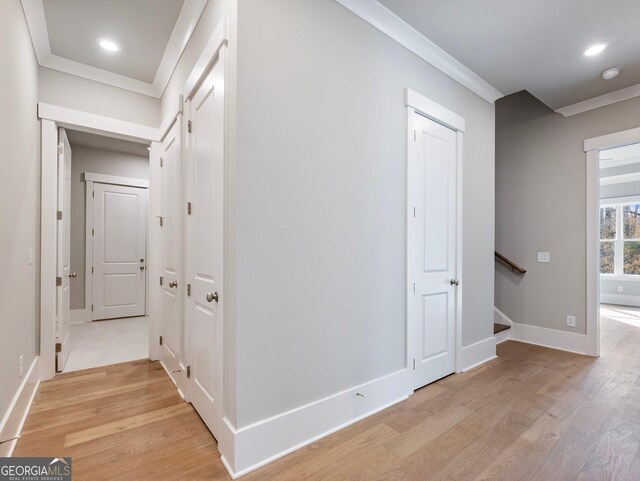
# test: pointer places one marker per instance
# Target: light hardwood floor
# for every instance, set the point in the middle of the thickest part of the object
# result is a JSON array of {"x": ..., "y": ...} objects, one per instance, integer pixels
[{"x": 533, "y": 414}]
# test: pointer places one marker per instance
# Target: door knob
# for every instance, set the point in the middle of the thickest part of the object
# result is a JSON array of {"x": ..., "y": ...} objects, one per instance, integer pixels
[
  {"x": 73, "y": 276},
  {"x": 141, "y": 268},
  {"x": 455, "y": 282},
  {"x": 173, "y": 284},
  {"x": 212, "y": 297}
]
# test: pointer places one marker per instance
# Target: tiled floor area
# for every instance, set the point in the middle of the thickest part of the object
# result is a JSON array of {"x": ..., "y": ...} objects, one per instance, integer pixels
[{"x": 100, "y": 343}]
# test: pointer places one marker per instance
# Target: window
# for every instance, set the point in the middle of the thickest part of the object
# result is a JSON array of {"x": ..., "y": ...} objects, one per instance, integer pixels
[{"x": 620, "y": 247}]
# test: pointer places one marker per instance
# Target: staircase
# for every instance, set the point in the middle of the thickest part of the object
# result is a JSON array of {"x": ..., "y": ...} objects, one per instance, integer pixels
[{"x": 501, "y": 331}]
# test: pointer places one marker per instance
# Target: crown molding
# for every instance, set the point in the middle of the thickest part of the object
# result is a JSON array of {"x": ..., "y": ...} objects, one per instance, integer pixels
[
  {"x": 600, "y": 101},
  {"x": 182, "y": 31},
  {"x": 380, "y": 17}
]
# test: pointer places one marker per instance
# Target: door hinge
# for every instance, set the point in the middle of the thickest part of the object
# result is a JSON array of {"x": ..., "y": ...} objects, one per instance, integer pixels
[
  {"x": 160, "y": 218},
  {"x": 414, "y": 287},
  {"x": 93, "y": 193},
  {"x": 188, "y": 371},
  {"x": 189, "y": 126},
  {"x": 58, "y": 347},
  {"x": 161, "y": 162},
  {"x": 414, "y": 211},
  {"x": 189, "y": 208},
  {"x": 91, "y": 307},
  {"x": 414, "y": 364},
  {"x": 415, "y": 135},
  {"x": 60, "y": 148},
  {"x": 59, "y": 215},
  {"x": 92, "y": 270},
  {"x": 160, "y": 280},
  {"x": 188, "y": 289},
  {"x": 58, "y": 281},
  {"x": 93, "y": 232},
  {"x": 161, "y": 340}
]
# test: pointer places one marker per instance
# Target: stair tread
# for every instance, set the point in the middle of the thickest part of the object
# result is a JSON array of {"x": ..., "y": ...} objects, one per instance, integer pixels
[{"x": 499, "y": 327}]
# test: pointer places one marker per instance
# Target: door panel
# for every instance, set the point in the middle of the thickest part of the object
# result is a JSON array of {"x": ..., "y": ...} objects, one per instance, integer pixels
[
  {"x": 432, "y": 249},
  {"x": 63, "y": 297},
  {"x": 172, "y": 317},
  {"x": 206, "y": 227},
  {"x": 119, "y": 251}
]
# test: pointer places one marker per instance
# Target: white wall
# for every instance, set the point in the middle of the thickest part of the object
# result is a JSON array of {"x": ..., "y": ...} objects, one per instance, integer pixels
[
  {"x": 65, "y": 90},
  {"x": 320, "y": 203},
  {"x": 86, "y": 159},
  {"x": 541, "y": 206},
  {"x": 19, "y": 200}
]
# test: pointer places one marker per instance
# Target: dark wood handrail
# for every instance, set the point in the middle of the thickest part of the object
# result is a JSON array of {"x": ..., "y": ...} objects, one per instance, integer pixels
[{"x": 510, "y": 264}]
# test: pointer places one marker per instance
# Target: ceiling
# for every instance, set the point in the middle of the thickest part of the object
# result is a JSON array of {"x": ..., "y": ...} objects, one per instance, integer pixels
[
  {"x": 534, "y": 45},
  {"x": 99, "y": 142},
  {"x": 152, "y": 35},
  {"x": 141, "y": 27}
]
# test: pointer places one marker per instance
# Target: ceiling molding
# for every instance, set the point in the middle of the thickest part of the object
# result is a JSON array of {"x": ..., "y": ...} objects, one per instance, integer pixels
[
  {"x": 601, "y": 101},
  {"x": 380, "y": 17},
  {"x": 182, "y": 31}
]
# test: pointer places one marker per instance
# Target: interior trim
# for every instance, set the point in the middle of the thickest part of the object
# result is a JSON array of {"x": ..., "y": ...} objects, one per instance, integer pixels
[
  {"x": 376, "y": 14},
  {"x": 600, "y": 101},
  {"x": 183, "y": 29}
]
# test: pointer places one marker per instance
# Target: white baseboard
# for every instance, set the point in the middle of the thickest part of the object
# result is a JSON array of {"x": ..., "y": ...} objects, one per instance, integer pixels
[
  {"x": 553, "y": 338},
  {"x": 503, "y": 336},
  {"x": 265, "y": 441},
  {"x": 16, "y": 414},
  {"x": 620, "y": 299},
  {"x": 478, "y": 353},
  {"x": 542, "y": 336},
  {"x": 79, "y": 316}
]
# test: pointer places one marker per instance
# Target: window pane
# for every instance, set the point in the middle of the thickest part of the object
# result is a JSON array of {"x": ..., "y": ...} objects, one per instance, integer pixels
[
  {"x": 632, "y": 257},
  {"x": 607, "y": 223},
  {"x": 607, "y": 257},
  {"x": 631, "y": 220}
]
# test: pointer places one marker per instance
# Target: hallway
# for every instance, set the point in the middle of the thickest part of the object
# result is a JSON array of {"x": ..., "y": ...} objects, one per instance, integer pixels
[{"x": 533, "y": 410}]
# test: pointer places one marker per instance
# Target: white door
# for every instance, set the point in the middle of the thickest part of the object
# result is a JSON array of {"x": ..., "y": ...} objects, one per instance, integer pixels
[
  {"x": 119, "y": 251},
  {"x": 432, "y": 249},
  {"x": 171, "y": 320},
  {"x": 206, "y": 224},
  {"x": 63, "y": 257}
]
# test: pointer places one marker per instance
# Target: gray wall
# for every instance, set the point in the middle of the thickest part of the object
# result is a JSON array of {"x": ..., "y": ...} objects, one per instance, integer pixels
[
  {"x": 19, "y": 200},
  {"x": 65, "y": 90},
  {"x": 320, "y": 203},
  {"x": 541, "y": 205},
  {"x": 86, "y": 159}
]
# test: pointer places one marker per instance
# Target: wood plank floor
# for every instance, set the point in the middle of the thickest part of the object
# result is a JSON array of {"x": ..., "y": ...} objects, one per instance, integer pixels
[{"x": 533, "y": 414}]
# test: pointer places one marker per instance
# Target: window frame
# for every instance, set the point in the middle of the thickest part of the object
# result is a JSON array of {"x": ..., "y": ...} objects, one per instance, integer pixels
[{"x": 618, "y": 242}]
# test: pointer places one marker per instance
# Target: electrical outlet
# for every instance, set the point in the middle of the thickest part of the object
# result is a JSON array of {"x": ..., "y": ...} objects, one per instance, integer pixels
[
  {"x": 21, "y": 366},
  {"x": 571, "y": 321},
  {"x": 620, "y": 289},
  {"x": 544, "y": 257}
]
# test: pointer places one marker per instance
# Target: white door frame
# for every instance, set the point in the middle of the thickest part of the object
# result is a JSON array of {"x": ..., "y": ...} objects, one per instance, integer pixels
[
  {"x": 89, "y": 179},
  {"x": 52, "y": 117},
  {"x": 592, "y": 148},
  {"x": 418, "y": 104}
]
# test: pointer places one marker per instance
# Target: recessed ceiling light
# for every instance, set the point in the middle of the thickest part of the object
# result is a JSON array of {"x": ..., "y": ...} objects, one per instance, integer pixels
[
  {"x": 610, "y": 73},
  {"x": 595, "y": 49},
  {"x": 108, "y": 44}
]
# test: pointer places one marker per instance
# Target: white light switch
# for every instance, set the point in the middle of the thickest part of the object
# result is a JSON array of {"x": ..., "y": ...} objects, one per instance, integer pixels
[{"x": 544, "y": 257}]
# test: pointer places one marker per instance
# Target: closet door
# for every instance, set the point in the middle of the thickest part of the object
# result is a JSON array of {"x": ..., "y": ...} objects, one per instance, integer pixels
[
  {"x": 172, "y": 288},
  {"x": 206, "y": 231}
]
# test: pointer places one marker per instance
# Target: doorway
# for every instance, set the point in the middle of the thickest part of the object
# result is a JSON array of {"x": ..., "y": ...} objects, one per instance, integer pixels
[{"x": 433, "y": 240}]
